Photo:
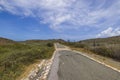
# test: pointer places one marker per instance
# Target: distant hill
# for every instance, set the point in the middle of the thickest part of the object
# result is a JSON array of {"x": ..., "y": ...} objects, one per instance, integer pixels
[
  {"x": 40, "y": 41},
  {"x": 109, "y": 40},
  {"x": 5, "y": 41},
  {"x": 108, "y": 47}
]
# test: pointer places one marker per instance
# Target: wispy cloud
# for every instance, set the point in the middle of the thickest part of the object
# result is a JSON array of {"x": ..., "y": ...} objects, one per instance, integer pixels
[
  {"x": 109, "y": 32},
  {"x": 67, "y": 14}
]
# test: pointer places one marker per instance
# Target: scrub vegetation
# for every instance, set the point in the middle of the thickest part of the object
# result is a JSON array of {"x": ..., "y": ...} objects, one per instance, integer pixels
[
  {"x": 108, "y": 47},
  {"x": 15, "y": 56}
]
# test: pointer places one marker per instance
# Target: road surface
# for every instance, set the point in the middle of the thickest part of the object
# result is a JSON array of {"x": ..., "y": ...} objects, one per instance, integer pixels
[{"x": 69, "y": 65}]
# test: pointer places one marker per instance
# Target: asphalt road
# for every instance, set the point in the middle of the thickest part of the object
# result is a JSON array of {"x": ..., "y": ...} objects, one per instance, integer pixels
[
  {"x": 59, "y": 46},
  {"x": 70, "y": 65}
]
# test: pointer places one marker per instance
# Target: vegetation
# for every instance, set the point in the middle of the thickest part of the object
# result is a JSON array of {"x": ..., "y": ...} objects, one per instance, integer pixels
[
  {"x": 109, "y": 47},
  {"x": 4, "y": 41},
  {"x": 14, "y": 56}
]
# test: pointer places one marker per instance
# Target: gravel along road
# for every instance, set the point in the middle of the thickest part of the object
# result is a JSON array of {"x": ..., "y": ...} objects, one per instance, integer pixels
[{"x": 74, "y": 66}]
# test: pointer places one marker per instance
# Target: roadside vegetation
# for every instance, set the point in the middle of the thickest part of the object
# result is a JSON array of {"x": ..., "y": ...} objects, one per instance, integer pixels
[
  {"x": 15, "y": 56},
  {"x": 108, "y": 47}
]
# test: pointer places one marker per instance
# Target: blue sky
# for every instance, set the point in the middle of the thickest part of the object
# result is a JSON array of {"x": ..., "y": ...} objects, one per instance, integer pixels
[{"x": 54, "y": 19}]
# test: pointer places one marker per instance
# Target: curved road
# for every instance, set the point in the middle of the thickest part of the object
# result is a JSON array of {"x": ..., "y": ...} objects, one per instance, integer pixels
[{"x": 69, "y": 65}]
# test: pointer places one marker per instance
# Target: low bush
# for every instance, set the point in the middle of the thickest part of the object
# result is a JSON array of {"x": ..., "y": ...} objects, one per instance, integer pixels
[
  {"x": 111, "y": 51},
  {"x": 14, "y": 57},
  {"x": 104, "y": 49},
  {"x": 50, "y": 44}
]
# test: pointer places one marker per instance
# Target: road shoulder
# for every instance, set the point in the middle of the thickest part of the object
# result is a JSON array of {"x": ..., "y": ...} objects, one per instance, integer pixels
[{"x": 115, "y": 65}]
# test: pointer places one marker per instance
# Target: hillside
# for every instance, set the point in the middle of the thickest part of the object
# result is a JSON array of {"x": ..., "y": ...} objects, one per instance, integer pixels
[
  {"x": 43, "y": 41},
  {"x": 109, "y": 47},
  {"x": 4, "y": 41},
  {"x": 109, "y": 40},
  {"x": 16, "y": 56}
]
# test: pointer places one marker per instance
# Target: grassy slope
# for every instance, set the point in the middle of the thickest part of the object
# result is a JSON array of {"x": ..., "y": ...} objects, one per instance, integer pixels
[
  {"x": 109, "y": 47},
  {"x": 102, "y": 41},
  {"x": 15, "y": 56},
  {"x": 4, "y": 41}
]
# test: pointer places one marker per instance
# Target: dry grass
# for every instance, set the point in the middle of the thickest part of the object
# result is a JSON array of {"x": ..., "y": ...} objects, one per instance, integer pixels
[
  {"x": 14, "y": 57},
  {"x": 27, "y": 69}
]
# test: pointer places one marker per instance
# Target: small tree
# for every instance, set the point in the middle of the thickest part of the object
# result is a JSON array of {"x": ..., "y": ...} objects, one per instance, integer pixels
[{"x": 49, "y": 44}]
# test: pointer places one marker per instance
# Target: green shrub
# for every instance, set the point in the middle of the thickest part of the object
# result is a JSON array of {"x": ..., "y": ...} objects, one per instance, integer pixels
[
  {"x": 50, "y": 44},
  {"x": 110, "y": 51},
  {"x": 14, "y": 57},
  {"x": 102, "y": 51}
]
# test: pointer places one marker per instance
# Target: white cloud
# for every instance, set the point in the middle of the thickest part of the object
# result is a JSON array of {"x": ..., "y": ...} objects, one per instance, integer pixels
[
  {"x": 77, "y": 13},
  {"x": 109, "y": 32}
]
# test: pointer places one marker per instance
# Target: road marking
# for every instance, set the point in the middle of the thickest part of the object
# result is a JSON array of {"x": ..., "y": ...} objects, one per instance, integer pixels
[{"x": 97, "y": 61}]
